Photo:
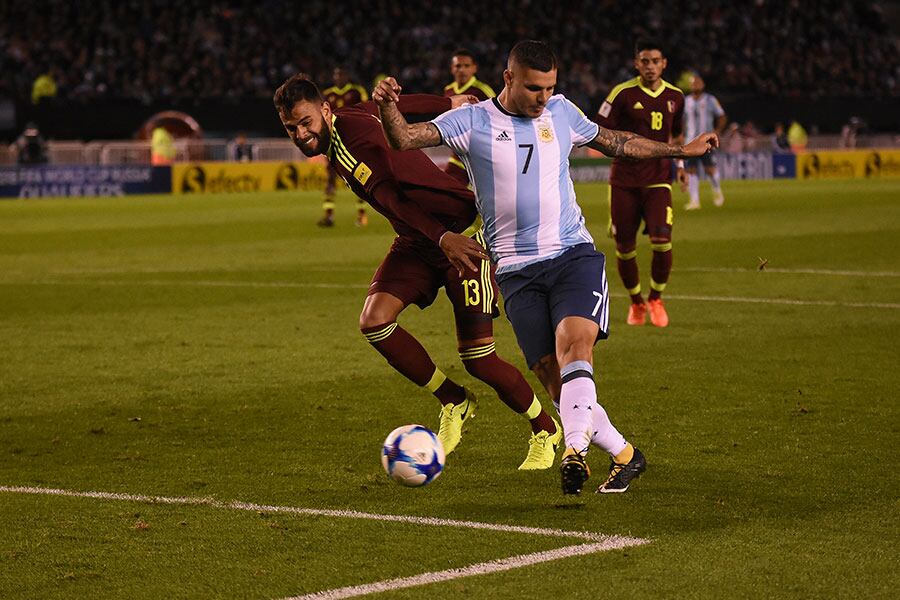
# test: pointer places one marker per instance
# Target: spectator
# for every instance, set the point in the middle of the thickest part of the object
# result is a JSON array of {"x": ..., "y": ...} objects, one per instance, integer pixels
[
  {"x": 797, "y": 137},
  {"x": 44, "y": 87},
  {"x": 242, "y": 150},
  {"x": 31, "y": 149},
  {"x": 150, "y": 50},
  {"x": 780, "y": 143},
  {"x": 162, "y": 147}
]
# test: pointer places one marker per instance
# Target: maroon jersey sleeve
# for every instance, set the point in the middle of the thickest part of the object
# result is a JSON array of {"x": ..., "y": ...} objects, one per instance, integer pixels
[
  {"x": 365, "y": 149},
  {"x": 678, "y": 117},
  {"x": 609, "y": 114},
  {"x": 413, "y": 104}
]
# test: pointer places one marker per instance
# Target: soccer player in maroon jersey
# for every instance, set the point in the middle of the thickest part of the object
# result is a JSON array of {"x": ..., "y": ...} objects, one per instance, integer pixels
[
  {"x": 431, "y": 213},
  {"x": 463, "y": 66},
  {"x": 651, "y": 107},
  {"x": 343, "y": 93}
]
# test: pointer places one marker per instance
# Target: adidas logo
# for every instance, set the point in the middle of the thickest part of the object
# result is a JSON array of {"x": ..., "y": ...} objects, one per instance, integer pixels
[
  {"x": 637, "y": 105},
  {"x": 503, "y": 137}
]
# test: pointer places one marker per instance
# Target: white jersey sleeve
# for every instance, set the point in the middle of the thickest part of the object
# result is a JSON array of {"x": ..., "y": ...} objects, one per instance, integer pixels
[
  {"x": 583, "y": 130},
  {"x": 455, "y": 127},
  {"x": 716, "y": 108}
]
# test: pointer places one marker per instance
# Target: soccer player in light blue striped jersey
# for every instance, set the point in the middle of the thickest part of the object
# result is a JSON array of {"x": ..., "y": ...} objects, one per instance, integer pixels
[
  {"x": 516, "y": 148},
  {"x": 702, "y": 112}
]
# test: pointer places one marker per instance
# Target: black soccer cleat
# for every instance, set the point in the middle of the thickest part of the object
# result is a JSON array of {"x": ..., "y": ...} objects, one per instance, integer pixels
[
  {"x": 621, "y": 475},
  {"x": 574, "y": 472}
]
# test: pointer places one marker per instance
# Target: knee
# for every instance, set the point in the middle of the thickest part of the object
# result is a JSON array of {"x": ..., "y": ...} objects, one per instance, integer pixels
[
  {"x": 661, "y": 243},
  {"x": 373, "y": 316}
]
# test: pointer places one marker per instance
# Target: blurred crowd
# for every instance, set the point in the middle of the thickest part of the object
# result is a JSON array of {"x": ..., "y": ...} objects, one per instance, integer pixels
[{"x": 153, "y": 50}]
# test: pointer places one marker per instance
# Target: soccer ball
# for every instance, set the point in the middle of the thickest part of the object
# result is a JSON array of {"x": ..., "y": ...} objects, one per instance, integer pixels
[{"x": 412, "y": 455}]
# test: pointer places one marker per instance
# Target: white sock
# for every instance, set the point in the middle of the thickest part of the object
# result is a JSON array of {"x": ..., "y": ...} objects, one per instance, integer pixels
[
  {"x": 578, "y": 403},
  {"x": 605, "y": 435},
  {"x": 694, "y": 188},
  {"x": 715, "y": 181}
]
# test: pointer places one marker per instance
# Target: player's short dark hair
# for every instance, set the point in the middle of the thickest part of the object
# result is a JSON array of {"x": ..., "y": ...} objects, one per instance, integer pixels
[
  {"x": 464, "y": 52},
  {"x": 533, "y": 54},
  {"x": 648, "y": 44},
  {"x": 296, "y": 88}
]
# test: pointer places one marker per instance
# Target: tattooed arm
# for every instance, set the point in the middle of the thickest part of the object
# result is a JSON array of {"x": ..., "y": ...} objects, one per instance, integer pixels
[
  {"x": 400, "y": 134},
  {"x": 624, "y": 144}
]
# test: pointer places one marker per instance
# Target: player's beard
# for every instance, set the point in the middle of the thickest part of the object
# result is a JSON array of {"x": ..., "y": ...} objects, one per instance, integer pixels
[{"x": 323, "y": 140}]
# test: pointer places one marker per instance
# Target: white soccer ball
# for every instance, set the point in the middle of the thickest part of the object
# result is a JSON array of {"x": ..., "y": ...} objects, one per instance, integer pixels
[{"x": 412, "y": 455}]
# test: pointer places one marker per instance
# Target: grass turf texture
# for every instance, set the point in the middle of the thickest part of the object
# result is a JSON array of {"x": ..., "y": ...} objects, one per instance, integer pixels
[{"x": 207, "y": 346}]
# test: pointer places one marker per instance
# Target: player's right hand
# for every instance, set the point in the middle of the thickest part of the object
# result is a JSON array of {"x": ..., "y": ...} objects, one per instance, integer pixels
[
  {"x": 386, "y": 92},
  {"x": 701, "y": 144},
  {"x": 463, "y": 252},
  {"x": 462, "y": 99}
]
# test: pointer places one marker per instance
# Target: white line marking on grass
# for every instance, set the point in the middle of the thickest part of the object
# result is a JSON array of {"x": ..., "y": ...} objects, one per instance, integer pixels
[
  {"x": 492, "y": 566},
  {"x": 792, "y": 271},
  {"x": 788, "y": 301},
  {"x": 601, "y": 542},
  {"x": 317, "y": 512},
  {"x": 291, "y": 284}
]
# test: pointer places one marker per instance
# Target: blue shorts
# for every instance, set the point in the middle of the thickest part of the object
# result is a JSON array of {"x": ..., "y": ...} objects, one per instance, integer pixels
[
  {"x": 708, "y": 160},
  {"x": 537, "y": 297}
]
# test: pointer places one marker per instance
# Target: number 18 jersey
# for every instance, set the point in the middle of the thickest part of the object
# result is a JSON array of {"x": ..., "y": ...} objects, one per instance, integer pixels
[
  {"x": 656, "y": 115},
  {"x": 519, "y": 169}
]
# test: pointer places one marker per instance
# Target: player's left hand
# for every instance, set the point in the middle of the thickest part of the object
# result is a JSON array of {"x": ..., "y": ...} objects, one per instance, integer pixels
[
  {"x": 682, "y": 179},
  {"x": 387, "y": 91},
  {"x": 462, "y": 99},
  {"x": 463, "y": 252},
  {"x": 701, "y": 144}
]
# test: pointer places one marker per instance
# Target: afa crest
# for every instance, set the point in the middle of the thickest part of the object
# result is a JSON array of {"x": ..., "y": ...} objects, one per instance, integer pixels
[{"x": 545, "y": 134}]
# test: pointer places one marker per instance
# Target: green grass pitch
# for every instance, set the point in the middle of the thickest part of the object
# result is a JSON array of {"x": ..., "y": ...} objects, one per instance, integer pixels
[{"x": 207, "y": 346}]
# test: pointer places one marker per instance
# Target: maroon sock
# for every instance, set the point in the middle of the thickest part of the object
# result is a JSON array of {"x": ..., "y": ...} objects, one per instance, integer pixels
[
  {"x": 507, "y": 381},
  {"x": 410, "y": 359},
  {"x": 660, "y": 267},
  {"x": 628, "y": 271}
]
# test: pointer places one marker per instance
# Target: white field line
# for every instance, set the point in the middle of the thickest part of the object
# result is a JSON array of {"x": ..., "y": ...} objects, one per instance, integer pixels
[
  {"x": 837, "y": 272},
  {"x": 361, "y": 269},
  {"x": 600, "y": 542},
  {"x": 300, "y": 285},
  {"x": 319, "y": 512},
  {"x": 492, "y": 566}
]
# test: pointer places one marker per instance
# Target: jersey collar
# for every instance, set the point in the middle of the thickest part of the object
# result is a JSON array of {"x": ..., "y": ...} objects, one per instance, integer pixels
[
  {"x": 506, "y": 112},
  {"x": 648, "y": 91},
  {"x": 457, "y": 89}
]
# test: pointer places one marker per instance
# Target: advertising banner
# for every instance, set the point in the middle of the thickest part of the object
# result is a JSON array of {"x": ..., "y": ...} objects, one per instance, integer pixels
[
  {"x": 223, "y": 177},
  {"x": 66, "y": 181},
  {"x": 745, "y": 165},
  {"x": 839, "y": 164}
]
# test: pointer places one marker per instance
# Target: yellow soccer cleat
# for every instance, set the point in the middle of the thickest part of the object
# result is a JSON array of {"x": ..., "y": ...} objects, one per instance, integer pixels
[
  {"x": 542, "y": 449},
  {"x": 452, "y": 418}
]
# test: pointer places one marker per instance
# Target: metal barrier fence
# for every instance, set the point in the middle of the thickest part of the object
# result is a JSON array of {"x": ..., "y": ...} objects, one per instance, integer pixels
[{"x": 132, "y": 152}]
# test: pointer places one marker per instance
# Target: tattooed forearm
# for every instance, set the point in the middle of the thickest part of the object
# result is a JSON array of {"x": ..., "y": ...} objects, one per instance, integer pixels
[
  {"x": 630, "y": 145},
  {"x": 403, "y": 136}
]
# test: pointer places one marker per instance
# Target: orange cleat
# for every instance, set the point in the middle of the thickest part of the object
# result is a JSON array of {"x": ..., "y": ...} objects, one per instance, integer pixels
[
  {"x": 658, "y": 314},
  {"x": 637, "y": 314}
]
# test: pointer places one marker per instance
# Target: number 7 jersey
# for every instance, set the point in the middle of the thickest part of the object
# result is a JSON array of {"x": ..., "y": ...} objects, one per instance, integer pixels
[
  {"x": 519, "y": 169},
  {"x": 656, "y": 115}
]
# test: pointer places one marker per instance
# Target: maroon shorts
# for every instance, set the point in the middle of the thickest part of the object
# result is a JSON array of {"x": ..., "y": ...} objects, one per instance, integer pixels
[
  {"x": 415, "y": 274},
  {"x": 629, "y": 205}
]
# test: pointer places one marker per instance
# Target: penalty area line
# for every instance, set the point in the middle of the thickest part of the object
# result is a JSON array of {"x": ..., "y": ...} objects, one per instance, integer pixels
[
  {"x": 598, "y": 542},
  {"x": 484, "y": 568}
]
